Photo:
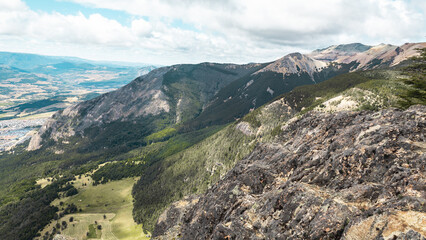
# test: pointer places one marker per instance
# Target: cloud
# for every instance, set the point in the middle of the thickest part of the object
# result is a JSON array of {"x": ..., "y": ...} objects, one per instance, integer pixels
[
  {"x": 220, "y": 30},
  {"x": 12, "y": 5},
  {"x": 94, "y": 29},
  {"x": 287, "y": 21},
  {"x": 142, "y": 28}
]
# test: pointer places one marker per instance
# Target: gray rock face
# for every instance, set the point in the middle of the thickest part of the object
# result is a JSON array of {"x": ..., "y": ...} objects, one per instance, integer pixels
[
  {"x": 245, "y": 128},
  {"x": 347, "y": 175},
  {"x": 295, "y": 63}
]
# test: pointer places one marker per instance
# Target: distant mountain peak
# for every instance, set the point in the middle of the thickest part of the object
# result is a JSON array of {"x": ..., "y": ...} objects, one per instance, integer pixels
[
  {"x": 352, "y": 47},
  {"x": 368, "y": 57},
  {"x": 334, "y": 52},
  {"x": 294, "y": 63}
]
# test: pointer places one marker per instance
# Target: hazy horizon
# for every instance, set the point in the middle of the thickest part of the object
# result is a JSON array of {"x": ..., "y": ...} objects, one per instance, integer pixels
[{"x": 163, "y": 32}]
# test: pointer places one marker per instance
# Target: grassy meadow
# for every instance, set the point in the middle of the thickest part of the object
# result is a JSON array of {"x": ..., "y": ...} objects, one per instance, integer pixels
[{"x": 108, "y": 205}]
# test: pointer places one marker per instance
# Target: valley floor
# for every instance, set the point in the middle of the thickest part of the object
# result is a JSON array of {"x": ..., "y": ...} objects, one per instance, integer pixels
[{"x": 18, "y": 130}]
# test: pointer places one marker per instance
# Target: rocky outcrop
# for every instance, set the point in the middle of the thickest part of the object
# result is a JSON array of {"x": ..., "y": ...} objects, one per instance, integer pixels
[
  {"x": 175, "y": 213},
  {"x": 295, "y": 63},
  {"x": 346, "y": 175},
  {"x": 245, "y": 128}
]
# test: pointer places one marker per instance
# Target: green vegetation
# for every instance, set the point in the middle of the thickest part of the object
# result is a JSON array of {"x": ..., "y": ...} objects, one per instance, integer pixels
[
  {"x": 19, "y": 171},
  {"x": 106, "y": 211},
  {"x": 252, "y": 118},
  {"x": 187, "y": 172},
  {"x": 161, "y": 135},
  {"x": 103, "y": 198},
  {"x": 35, "y": 105},
  {"x": 135, "y": 162},
  {"x": 117, "y": 170},
  {"x": 305, "y": 98},
  {"x": 24, "y": 218},
  {"x": 92, "y": 232},
  {"x": 416, "y": 72},
  {"x": 191, "y": 87},
  {"x": 251, "y": 91}
]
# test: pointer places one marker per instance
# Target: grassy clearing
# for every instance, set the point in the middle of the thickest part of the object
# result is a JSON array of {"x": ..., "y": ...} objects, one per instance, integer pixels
[
  {"x": 43, "y": 182},
  {"x": 161, "y": 135},
  {"x": 35, "y": 116},
  {"x": 109, "y": 205},
  {"x": 92, "y": 232},
  {"x": 7, "y": 115},
  {"x": 6, "y": 104},
  {"x": 103, "y": 198}
]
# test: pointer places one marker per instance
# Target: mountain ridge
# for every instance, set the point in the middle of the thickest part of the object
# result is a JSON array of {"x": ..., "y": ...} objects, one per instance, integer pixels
[
  {"x": 295, "y": 69},
  {"x": 29, "y": 61},
  {"x": 336, "y": 176},
  {"x": 160, "y": 91},
  {"x": 373, "y": 57}
]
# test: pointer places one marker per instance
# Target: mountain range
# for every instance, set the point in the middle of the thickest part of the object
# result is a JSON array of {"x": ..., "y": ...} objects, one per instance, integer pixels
[
  {"x": 197, "y": 92},
  {"x": 307, "y": 146}
]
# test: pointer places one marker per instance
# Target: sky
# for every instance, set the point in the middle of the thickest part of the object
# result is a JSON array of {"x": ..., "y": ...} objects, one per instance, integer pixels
[{"x": 191, "y": 31}]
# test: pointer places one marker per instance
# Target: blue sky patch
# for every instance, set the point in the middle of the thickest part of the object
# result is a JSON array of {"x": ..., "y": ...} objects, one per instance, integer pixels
[{"x": 69, "y": 8}]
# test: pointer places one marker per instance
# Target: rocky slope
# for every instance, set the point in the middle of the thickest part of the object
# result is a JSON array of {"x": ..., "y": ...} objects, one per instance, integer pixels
[
  {"x": 346, "y": 175},
  {"x": 295, "y": 63},
  {"x": 336, "y": 52},
  {"x": 194, "y": 169},
  {"x": 176, "y": 91},
  {"x": 368, "y": 57}
]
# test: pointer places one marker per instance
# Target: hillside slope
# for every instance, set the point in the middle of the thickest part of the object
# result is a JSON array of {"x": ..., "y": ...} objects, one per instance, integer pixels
[
  {"x": 252, "y": 91},
  {"x": 368, "y": 57},
  {"x": 176, "y": 93},
  {"x": 195, "y": 169},
  {"x": 334, "y": 176}
]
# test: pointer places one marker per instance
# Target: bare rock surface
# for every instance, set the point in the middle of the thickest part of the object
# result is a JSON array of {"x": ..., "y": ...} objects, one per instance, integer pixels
[
  {"x": 346, "y": 175},
  {"x": 294, "y": 63},
  {"x": 367, "y": 57},
  {"x": 245, "y": 128}
]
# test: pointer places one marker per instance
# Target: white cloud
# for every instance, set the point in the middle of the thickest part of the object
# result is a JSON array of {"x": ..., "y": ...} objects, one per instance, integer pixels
[
  {"x": 287, "y": 21},
  {"x": 142, "y": 28},
  {"x": 94, "y": 29},
  {"x": 12, "y": 5},
  {"x": 227, "y": 31}
]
